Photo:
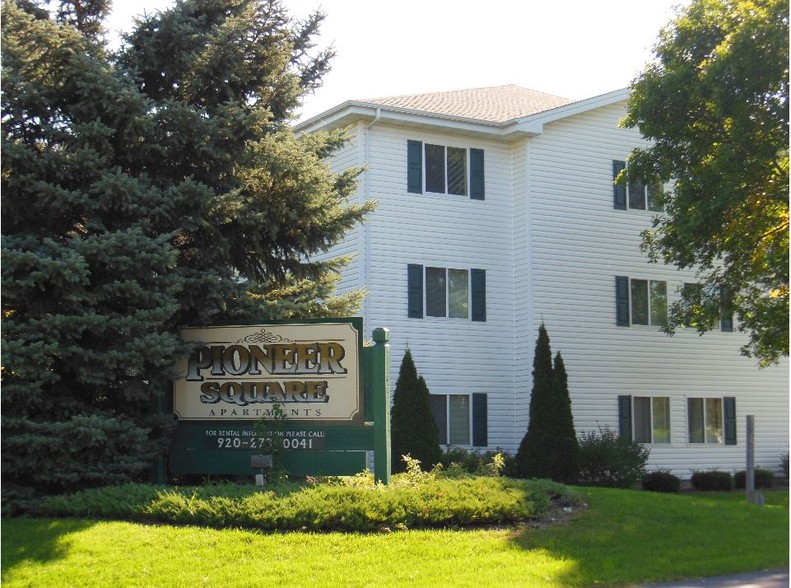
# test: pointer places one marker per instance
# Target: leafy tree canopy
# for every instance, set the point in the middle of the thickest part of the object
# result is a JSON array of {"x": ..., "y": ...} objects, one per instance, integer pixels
[
  {"x": 715, "y": 104},
  {"x": 149, "y": 189}
]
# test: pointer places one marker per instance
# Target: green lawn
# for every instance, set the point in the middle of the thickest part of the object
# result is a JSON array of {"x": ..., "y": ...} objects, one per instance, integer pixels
[{"x": 623, "y": 537}]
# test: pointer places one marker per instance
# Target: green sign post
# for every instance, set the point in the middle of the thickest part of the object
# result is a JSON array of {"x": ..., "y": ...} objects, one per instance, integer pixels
[{"x": 309, "y": 389}]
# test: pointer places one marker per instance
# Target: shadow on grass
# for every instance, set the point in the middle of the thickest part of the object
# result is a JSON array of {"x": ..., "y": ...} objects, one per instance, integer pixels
[
  {"x": 36, "y": 540},
  {"x": 625, "y": 537}
]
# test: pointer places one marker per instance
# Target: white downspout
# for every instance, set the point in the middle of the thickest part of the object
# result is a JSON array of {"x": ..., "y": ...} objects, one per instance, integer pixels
[{"x": 366, "y": 266}]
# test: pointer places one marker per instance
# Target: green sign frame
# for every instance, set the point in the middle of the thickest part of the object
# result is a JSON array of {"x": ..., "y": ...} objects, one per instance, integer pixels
[{"x": 303, "y": 447}]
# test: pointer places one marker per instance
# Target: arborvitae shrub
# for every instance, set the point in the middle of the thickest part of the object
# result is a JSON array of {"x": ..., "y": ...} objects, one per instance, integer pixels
[
  {"x": 661, "y": 481},
  {"x": 712, "y": 480},
  {"x": 413, "y": 430},
  {"x": 763, "y": 479},
  {"x": 549, "y": 448}
]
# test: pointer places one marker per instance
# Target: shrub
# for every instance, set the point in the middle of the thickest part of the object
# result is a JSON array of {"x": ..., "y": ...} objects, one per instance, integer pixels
[
  {"x": 784, "y": 464},
  {"x": 661, "y": 481},
  {"x": 471, "y": 462},
  {"x": 413, "y": 500},
  {"x": 763, "y": 479},
  {"x": 607, "y": 459},
  {"x": 413, "y": 428},
  {"x": 549, "y": 448},
  {"x": 712, "y": 480}
]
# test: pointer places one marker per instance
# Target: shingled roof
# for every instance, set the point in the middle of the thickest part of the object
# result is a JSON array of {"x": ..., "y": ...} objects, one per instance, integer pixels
[{"x": 495, "y": 104}]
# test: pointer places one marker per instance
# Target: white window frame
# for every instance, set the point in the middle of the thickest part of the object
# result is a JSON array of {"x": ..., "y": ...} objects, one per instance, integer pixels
[
  {"x": 646, "y": 196},
  {"x": 445, "y": 150},
  {"x": 652, "y": 420},
  {"x": 705, "y": 411},
  {"x": 447, "y": 441},
  {"x": 468, "y": 303},
  {"x": 649, "y": 303}
]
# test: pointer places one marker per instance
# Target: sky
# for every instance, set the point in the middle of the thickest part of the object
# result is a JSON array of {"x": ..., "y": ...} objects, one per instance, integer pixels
[{"x": 571, "y": 48}]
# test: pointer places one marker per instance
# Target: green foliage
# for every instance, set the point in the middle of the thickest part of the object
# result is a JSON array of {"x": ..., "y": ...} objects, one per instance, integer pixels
[
  {"x": 763, "y": 479},
  {"x": 93, "y": 450},
  {"x": 609, "y": 460},
  {"x": 549, "y": 448},
  {"x": 415, "y": 500},
  {"x": 712, "y": 480},
  {"x": 413, "y": 430},
  {"x": 143, "y": 191},
  {"x": 459, "y": 461},
  {"x": 661, "y": 481},
  {"x": 784, "y": 464},
  {"x": 714, "y": 102}
]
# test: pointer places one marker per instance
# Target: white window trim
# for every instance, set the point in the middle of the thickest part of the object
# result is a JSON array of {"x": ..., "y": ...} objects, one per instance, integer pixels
[
  {"x": 721, "y": 442},
  {"x": 467, "y": 178}
]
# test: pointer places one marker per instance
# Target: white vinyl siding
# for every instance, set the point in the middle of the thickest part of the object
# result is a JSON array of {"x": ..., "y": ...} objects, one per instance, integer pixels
[
  {"x": 575, "y": 244},
  {"x": 551, "y": 244}
]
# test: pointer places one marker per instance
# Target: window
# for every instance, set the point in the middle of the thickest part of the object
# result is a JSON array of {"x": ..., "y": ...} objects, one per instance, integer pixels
[
  {"x": 636, "y": 195},
  {"x": 712, "y": 420},
  {"x": 696, "y": 294},
  {"x": 461, "y": 418},
  {"x": 443, "y": 292},
  {"x": 644, "y": 419},
  {"x": 640, "y": 302},
  {"x": 445, "y": 170},
  {"x": 651, "y": 419}
]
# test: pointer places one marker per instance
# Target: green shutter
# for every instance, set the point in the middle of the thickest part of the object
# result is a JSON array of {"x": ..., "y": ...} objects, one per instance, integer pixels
[
  {"x": 415, "y": 167},
  {"x": 729, "y": 420},
  {"x": 619, "y": 191},
  {"x": 415, "y": 291},
  {"x": 726, "y": 316},
  {"x": 477, "y": 182},
  {"x": 625, "y": 417},
  {"x": 480, "y": 421},
  {"x": 478, "y": 294},
  {"x": 622, "y": 301},
  {"x": 439, "y": 409}
]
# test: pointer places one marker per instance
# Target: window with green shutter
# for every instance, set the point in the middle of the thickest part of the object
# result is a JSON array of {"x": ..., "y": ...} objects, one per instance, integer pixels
[
  {"x": 712, "y": 420},
  {"x": 444, "y": 169},
  {"x": 636, "y": 195},
  {"x": 640, "y": 302},
  {"x": 462, "y": 419},
  {"x": 446, "y": 292}
]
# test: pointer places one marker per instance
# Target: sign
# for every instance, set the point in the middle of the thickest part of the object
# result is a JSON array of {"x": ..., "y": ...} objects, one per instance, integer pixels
[
  {"x": 311, "y": 371},
  {"x": 307, "y": 392}
]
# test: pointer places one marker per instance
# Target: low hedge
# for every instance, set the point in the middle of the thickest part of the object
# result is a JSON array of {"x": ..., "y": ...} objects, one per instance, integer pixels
[
  {"x": 661, "y": 481},
  {"x": 329, "y": 505},
  {"x": 712, "y": 480},
  {"x": 764, "y": 479}
]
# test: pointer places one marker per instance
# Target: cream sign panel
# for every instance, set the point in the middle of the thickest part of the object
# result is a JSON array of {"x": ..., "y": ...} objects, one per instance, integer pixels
[{"x": 240, "y": 372}]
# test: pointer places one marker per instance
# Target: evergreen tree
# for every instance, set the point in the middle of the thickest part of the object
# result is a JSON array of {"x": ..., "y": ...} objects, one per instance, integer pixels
[
  {"x": 413, "y": 430},
  {"x": 144, "y": 191},
  {"x": 564, "y": 447},
  {"x": 549, "y": 448}
]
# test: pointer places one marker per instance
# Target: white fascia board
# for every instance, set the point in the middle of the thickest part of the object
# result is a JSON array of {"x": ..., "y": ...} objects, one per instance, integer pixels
[
  {"x": 351, "y": 111},
  {"x": 534, "y": 123}
]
